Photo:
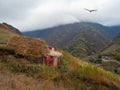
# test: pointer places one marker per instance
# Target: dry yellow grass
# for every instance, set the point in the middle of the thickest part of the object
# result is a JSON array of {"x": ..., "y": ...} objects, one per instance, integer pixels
[
  {"x": 91, "y": 72},
  {"x": 10, "y": 81},
  {"x": 28, "y": 46},
  {"x": 76, "y": 75}
]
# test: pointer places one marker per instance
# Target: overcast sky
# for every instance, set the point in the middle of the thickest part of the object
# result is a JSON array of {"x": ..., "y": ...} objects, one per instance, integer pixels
[{"x": 37, "y": 14}]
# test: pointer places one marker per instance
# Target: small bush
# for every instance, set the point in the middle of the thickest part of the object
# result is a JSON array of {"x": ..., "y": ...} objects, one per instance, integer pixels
[
  {"x": 63, "y": 62},
  {"x": 12, "y": 52},
  {"x": 95, "y": 60},
  {"x": 117, "y": 56}
]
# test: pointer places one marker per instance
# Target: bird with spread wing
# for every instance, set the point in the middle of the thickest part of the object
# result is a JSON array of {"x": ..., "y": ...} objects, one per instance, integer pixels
[{"x": 90, "y": 10}]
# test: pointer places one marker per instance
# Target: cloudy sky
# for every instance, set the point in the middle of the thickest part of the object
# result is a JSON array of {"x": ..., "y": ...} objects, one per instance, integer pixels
[{"x": 33, "y": 14}]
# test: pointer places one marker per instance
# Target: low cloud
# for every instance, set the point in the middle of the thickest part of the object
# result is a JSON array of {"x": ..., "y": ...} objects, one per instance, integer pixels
[{"x": 30, "y": 15}]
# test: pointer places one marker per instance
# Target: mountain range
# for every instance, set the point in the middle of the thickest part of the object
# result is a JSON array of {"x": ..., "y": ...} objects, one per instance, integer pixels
[{"x": 80, "y": 39}]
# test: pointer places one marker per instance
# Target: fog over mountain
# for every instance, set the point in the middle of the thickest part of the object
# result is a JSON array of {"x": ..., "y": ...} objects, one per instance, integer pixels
[{"x": 30, "y": 15}]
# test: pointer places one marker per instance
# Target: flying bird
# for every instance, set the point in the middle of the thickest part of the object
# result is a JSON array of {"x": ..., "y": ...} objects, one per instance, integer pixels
[{"x": 90, "y": 10}]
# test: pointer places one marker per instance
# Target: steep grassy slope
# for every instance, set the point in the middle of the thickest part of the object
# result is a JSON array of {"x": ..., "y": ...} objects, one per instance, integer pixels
[
  {"x": 5, "y": 34},
  {"x": 11, "y": 28},
  {"x": 80, "y": 39},
  {"x": 71, "y": 74}
]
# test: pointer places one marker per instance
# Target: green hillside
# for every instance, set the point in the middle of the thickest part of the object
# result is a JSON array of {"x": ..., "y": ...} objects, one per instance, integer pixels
[
  {"x": 113, "y": 49},
  {"x": 87, "y": 42},
  {"x": 79, "y": 39},
  {"x": 113, "y": 52},
  {"x": 109, "y": 57}
]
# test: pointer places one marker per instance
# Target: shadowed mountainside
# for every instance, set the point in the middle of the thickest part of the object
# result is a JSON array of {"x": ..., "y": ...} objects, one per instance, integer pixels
[
  {"x": 109, "y": 57},
  {"x": 80, "y": 39}
]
